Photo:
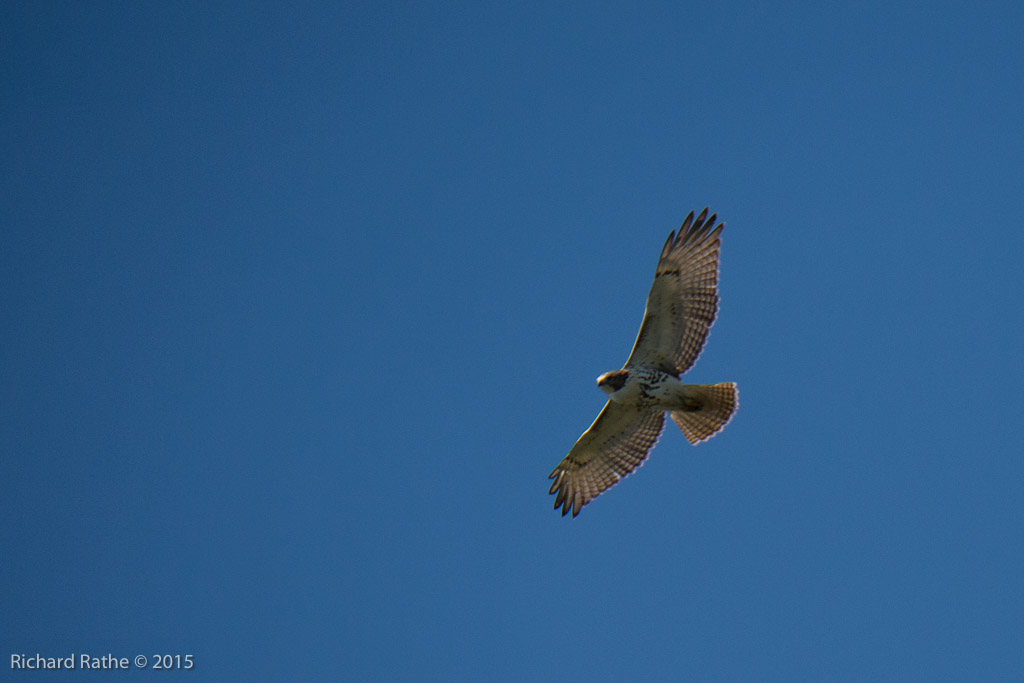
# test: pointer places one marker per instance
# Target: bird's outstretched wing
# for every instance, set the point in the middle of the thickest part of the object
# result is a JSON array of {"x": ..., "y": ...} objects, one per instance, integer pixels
[
  {"x": 616, "y": 444},
  {"x": 684, "y": 298}
]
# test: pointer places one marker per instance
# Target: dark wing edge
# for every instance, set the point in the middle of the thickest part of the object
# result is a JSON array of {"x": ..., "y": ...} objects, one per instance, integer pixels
[
  {"x": 617, "y": 443},
  {"x": 683, "y": 301}
]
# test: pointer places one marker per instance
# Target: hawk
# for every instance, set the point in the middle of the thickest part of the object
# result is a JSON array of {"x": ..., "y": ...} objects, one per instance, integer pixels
[{"x": 681, "y": 308}]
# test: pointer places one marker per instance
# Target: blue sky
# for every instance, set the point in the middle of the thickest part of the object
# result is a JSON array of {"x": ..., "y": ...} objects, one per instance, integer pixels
[{"x": 302, "y": 303}]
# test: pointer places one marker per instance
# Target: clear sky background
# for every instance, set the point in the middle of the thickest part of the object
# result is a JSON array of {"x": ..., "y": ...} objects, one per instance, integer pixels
[{"x": 301, "y": 303}]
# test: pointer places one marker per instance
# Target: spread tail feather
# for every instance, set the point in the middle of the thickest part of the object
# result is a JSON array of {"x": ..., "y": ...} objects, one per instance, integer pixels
[{"x": 709, "y": 408}]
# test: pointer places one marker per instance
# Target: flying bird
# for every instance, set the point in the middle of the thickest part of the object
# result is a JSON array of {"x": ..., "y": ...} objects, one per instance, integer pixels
[{"x": 681, "y": 308}]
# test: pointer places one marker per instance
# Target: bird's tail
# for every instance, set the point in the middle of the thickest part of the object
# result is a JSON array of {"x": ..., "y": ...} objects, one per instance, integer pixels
[{"x": 708, "y": 408}]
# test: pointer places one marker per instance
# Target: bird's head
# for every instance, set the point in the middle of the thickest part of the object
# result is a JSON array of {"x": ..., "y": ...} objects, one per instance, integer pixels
[{"x": 610, "y": 382}]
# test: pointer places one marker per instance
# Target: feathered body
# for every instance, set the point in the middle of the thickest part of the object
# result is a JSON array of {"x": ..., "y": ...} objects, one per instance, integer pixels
[{"x": 681, "y": 308}]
